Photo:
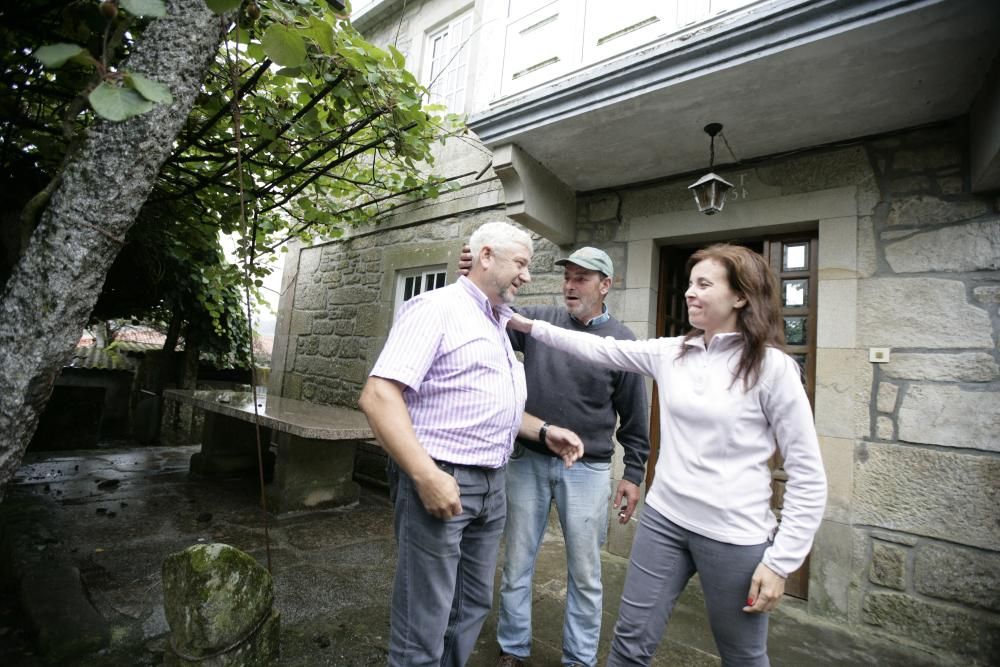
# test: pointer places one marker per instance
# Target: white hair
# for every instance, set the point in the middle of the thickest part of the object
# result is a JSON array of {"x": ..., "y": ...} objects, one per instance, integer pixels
[{"x": 501, "y": 236}]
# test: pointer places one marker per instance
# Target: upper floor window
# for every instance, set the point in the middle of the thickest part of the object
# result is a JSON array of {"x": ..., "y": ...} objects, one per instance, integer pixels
[
  {"x": 412, "y": 282},
  {"x": 448, "y": 67}
]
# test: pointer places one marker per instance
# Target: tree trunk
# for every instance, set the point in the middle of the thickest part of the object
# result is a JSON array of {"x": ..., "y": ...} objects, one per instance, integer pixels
[{"x": 49, "y": 297}]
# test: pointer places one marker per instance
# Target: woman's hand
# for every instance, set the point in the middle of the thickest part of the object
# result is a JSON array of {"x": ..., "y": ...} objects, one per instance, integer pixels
[
  {"x": 766, "y": 589},
  {"x": 520, "y": 323}
]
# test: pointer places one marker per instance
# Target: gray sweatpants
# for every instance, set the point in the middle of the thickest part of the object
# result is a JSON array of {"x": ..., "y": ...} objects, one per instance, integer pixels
[
  {"x": 443, "y": 589},
  {"x": 664, "y": 558}
]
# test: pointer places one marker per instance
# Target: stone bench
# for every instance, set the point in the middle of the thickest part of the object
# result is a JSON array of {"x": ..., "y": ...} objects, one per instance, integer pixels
[{"x": 316, "y": 445}]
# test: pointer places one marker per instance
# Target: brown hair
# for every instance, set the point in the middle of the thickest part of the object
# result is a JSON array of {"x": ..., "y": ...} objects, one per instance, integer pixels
[{"x": 759, "y": 321}]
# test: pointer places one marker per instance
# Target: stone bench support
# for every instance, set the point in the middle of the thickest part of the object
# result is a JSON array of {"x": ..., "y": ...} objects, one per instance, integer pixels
[{"x": 316, "y": 445}]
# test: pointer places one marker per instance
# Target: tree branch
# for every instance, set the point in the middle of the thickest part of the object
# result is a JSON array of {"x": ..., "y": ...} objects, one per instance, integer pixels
[{"x": 225, "y": 108}]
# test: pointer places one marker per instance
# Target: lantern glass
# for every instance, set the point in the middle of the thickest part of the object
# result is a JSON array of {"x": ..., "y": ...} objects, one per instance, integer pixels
[{"x": 710, "y": 193}]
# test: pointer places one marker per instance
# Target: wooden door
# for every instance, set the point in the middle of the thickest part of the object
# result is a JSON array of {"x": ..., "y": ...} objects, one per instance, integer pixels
[{"x": 793, "y": 259}]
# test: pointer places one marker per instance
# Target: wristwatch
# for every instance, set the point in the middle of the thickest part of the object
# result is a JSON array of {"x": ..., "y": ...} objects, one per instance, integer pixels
[{"x": 542, "y": 432}]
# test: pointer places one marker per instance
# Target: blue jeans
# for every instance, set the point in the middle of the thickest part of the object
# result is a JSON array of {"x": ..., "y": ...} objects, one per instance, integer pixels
[
  {"x": 443, "y": 589},
  {"x": 582, "y": 495},
  {"x": 664, "y": 557}
]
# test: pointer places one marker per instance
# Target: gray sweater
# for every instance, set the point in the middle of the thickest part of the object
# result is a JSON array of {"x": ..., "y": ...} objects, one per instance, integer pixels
[{"x": 588, "y": 400}]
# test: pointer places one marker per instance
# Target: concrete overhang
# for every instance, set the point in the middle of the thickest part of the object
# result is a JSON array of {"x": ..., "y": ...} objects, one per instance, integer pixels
[
  {"x": 780, "y": 77},
  {"x": 367, "y": 13}
]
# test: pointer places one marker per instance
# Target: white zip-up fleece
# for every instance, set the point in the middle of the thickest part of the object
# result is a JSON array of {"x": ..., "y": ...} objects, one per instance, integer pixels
[{"x": 712, "y": 474}]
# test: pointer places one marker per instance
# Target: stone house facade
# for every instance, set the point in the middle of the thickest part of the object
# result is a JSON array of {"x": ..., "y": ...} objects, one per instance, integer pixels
[{"x": 896, "y": 311}]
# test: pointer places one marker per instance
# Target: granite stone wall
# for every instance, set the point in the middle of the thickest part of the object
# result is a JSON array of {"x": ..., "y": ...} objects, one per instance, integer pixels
[
  {"x": 927, "y": 479},
  {"x": 343, "y": 301}
]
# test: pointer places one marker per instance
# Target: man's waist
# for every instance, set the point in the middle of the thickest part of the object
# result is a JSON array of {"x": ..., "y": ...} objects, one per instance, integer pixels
[
  {"x": 490, "y": 456},
  {"x": 448, "y": 466}
]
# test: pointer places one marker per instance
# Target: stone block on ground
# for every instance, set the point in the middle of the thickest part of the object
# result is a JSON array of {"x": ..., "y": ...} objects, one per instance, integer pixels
[
  {"x": 35, "y": 568},
  {"x": 218, "y": 601},
  {"x": 66, "y": 625}
]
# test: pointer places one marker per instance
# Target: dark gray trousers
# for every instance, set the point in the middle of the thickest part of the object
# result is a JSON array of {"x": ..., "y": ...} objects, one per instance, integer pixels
[
  {"x": 443, "y": 588},
  {"x": 664, "y": 557}
]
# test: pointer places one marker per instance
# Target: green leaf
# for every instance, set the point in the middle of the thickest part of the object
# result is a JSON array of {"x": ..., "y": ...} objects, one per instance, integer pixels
[
  {"x": 255, "y": 51},
  {"x": 290, "y": 72},
  {"x": 284, "y": 45},
  {"x": 154, "y": 91},
  {"x": 56, "y": 55},
  {"x": 154, "y": 8},
  {"x": 222, "y": 6},
  {"x": 115, "y": 104},
  {"x": 241, "y": 36},
  {"x": 321, "y": 32},
  {"x": 398, "y": 59}
]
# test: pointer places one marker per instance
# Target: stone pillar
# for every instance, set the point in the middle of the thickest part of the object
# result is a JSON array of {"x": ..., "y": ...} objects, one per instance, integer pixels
[
  {"x": 218, "y": 604},
  {"x": 311, "y": 473},
  {"x": 229, "y": 447}
]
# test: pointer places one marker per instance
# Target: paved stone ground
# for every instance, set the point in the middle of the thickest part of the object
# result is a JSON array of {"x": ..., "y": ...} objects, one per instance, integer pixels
[{"x": 114, "y": 515}]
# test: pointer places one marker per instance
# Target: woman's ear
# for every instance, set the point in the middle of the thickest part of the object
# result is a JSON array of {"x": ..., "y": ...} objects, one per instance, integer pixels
[{"x": 740, "y": 301}]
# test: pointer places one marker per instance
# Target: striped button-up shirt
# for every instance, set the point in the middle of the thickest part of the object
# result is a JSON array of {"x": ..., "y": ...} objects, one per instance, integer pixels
[{"x": 465, "y": 389}]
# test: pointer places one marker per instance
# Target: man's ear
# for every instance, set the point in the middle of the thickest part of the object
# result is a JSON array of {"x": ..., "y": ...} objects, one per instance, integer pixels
[
  {"x": 605, "y": 285},
  {"x": 486, "y": 256}
]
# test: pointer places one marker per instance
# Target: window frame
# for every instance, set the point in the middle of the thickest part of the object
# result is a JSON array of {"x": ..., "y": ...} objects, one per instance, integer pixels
[
  {"x": 438, "y": 273},
  {"x": 456, "y": 56}
]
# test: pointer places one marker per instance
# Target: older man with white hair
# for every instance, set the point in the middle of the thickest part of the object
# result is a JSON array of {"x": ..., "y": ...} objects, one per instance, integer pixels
[{"x": 445, "y": 400}]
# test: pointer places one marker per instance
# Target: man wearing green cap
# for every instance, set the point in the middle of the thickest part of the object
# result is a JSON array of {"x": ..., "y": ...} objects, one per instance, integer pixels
[{"x": 597, "y": 404}]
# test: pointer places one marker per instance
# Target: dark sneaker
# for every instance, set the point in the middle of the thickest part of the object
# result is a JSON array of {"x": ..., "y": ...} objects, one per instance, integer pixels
[{"x": 508, "y": 660}]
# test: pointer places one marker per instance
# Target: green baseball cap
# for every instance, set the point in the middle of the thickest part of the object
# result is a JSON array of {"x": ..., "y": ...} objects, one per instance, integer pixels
[{"x": 594, "y": 259}]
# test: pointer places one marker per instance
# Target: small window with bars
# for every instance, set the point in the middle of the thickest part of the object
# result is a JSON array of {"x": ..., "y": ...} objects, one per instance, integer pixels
[{"x": 411, "y": 282}]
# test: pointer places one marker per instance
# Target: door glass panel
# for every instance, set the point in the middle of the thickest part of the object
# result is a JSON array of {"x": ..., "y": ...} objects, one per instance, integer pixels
[
  {"x": 800, "y": 359},
  {"x": 794, "y": 293},
  {"x": 795, "y": 330},
  {"x": 795, "y": 256}
]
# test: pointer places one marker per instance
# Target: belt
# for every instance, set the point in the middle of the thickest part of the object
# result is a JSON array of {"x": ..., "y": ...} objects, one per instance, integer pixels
[{"x": 444, "y": 465}]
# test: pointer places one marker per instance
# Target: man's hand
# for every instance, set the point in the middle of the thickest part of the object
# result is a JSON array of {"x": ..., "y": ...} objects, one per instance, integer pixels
[
  {"x": 440, "y": 494},
  {"x": 766, "y": 589},
  {"x": 383, "y": 404},
  {"x": 564, "y": 443},
  {"x": 465, "y": 261},
  {"x": 628, "y": 492},
  {"x": 520, "y": 323}
]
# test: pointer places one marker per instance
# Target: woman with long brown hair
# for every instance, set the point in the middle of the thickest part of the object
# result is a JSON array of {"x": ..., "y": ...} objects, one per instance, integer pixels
[{"x": 728, "y": 396}]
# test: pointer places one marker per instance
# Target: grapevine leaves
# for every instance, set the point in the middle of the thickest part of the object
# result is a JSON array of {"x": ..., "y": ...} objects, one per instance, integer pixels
[
  {"x": 116, "y": 103},
  {"x": 57, "y": 55},
  {"x": 119, "y": 95},
  {"x": 222, "y": 6}
]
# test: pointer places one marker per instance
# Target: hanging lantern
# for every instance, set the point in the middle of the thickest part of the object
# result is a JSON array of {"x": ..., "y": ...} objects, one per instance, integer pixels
[{"x": 710, "y": 190}]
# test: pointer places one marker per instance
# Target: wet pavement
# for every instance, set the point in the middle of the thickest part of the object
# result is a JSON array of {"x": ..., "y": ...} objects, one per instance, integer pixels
[{"x": 115, "y": 515}]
